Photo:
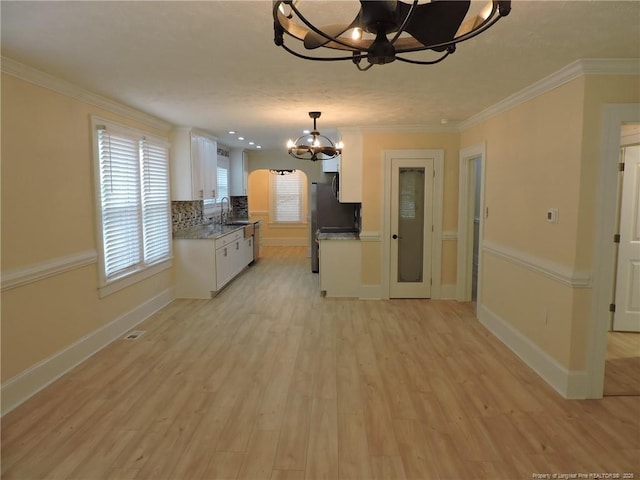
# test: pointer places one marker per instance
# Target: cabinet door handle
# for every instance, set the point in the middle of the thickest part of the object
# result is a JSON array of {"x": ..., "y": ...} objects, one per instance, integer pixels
[
  {"x": 225, "y": 252},
  {"x": 201, "y": 193},
  {"x": 237, "y": 245}
]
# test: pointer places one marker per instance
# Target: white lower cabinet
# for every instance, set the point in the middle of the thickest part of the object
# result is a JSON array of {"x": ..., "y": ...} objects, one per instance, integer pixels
[
  {"x": 340, "y": 268},
  {"x": 204, "y": 267}
]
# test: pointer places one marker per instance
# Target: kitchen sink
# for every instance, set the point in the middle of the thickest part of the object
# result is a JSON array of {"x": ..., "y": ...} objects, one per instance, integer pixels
[{"x": 239, "y": 223}]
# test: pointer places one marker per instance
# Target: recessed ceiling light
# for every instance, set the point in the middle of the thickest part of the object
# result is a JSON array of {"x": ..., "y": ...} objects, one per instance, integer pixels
[
  {"x": 306, "y": 132},
  {"x": 258, "y": 146},
  {"x": 232, "y": 132},
  {"x": 252, "y": 143},
  {"x": 240, "y": 138}
]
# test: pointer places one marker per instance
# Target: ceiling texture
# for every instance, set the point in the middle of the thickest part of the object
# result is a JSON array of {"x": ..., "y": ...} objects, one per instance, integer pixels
[{"x": 213, "y": 64}]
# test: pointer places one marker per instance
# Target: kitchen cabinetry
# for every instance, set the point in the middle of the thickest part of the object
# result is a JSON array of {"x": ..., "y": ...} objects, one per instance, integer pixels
[
  {"x": 239, "y": 172},
  {"x": 340, "y": 268},
  {"x": 231, "y": 257},
  {"x": 350, "y": 167},
  {"x": 332, "y": 165},
  {"x": 195, "y": 267},
  {"x": 193, "y": 165},
  {"x": 204, "y": 266}
]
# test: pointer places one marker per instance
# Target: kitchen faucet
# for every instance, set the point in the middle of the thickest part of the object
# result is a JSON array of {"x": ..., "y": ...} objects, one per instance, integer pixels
[{"x": 224, "y": 219}]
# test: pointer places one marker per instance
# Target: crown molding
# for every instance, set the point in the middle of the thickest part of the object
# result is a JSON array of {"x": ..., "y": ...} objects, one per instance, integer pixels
[
  {"x": 577, "y": 69},
  {"x": 451, "y": 127},
  {"x": 42, "y": 79}
]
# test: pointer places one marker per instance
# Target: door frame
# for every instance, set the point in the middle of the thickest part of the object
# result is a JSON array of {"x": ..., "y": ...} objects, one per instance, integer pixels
[
  {"x": 614, "y": 115},
  {"x": 465, "y": 236},
  {"x": 438, "y": 196},
  {"x": 627, "y": 199}
]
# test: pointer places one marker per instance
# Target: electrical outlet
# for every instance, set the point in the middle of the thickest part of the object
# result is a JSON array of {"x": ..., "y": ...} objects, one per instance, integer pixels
[{"x": 552, "y": 215}]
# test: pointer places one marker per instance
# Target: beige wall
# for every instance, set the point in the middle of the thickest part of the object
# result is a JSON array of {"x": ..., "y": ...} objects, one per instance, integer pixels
[
  {"x": 48, "y": 213},
  {"x": 374, "y": 146},
  {"x": 545, "y": 154}
]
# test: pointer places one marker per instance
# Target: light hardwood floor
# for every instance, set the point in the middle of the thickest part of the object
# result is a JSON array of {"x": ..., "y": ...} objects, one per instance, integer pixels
[
  {"x": 271, "y": 381},
  {"x": 622, "y": 368}
]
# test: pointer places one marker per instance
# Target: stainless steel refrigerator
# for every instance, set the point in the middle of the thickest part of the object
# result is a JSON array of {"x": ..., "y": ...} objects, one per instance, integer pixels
[{"x": 329, "y": 216}]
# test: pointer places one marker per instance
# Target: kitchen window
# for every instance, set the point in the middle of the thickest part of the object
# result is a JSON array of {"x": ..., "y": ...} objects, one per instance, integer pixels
[
  {"x": 287, "y": 198},
  {"x": 133, "y": 205}
]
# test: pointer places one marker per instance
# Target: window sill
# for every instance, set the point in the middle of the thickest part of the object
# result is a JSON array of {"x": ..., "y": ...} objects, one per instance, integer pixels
[{"x": 133, "y": 278}]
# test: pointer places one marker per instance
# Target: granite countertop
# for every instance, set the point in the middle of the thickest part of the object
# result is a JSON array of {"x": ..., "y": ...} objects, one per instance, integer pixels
[
  {"x": 338, "y": 236},
  {"x": 211, "y": 231}
]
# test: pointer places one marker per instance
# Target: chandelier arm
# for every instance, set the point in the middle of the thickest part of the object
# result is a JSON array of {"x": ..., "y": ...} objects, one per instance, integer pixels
[
  {"x": 404, "y": 22},
  {"x": 320, "y": 32},
  {"x": 477, "y": 31},
  {"x": 365, "y": 68},
  {"x": 489, "y": 22},
  {"x": 419, "y": 62},
  {"x": 320, "y": 59}
]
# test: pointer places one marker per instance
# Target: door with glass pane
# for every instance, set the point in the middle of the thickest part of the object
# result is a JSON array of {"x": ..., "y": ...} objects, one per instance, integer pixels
[{"x": 411, "y": 228}]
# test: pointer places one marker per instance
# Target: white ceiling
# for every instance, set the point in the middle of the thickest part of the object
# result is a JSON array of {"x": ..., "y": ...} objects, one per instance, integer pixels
[{"x": 213, "y": 64}]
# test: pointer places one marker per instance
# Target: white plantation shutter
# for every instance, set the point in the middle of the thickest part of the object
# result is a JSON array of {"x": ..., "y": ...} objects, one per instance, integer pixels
[
  {"x": 155, "y": 202},
  {"x": 134, "y": 204},
  {"x": 287, "y": 198},
  {"x": 119, "y": 195},
  {"x": 223, "y": 178}
]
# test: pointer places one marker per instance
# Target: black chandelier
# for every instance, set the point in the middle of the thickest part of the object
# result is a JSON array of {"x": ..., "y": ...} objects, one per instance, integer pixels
[
  {"x": 438, "y": 25},
  {"x": 282, "y": 171},
  {"x": 314, "y": 146}
]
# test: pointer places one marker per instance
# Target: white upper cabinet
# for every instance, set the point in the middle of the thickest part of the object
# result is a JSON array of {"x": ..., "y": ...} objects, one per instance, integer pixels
[
  {"x": 350, "y": 167},
  {"x": 193, "y": 165},
  {"x": 239, "y": 164},
  {"x": 332, "y": 165}
]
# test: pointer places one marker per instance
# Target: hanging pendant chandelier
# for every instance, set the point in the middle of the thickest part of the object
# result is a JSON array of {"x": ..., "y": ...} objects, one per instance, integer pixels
[
  {"x": 386, "y": 30},
  {"x": 314, "y": 146},
  {"x": 282, "y": 171}
]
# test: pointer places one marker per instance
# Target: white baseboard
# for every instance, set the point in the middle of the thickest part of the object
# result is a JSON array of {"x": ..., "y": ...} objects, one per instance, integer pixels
[
  {"x": 569, "y": 384},
  {"x": 26, "y": 384}
]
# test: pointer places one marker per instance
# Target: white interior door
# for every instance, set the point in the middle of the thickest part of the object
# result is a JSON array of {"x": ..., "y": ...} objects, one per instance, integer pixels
[
  {"x": 627, "y": 314},
  {"x": 411, "y": 227}
]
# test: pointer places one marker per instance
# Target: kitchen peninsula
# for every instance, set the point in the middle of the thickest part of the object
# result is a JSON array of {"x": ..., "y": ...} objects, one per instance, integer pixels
[{"x": 340, "y": 264}]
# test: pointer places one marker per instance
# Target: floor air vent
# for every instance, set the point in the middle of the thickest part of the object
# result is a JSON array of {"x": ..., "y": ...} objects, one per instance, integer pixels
[{"x": 134, "y": 335}]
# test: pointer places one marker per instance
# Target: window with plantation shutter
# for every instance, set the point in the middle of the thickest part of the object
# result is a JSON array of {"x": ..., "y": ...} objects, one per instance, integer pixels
[
  {"x": 134, "y": 219},
  {"x": 287, "y": 199},
  {"x": 223, "y": 178}
]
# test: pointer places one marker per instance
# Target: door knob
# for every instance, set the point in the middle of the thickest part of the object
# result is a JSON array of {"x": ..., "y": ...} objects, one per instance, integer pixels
[{"x": 394, "y": 236}]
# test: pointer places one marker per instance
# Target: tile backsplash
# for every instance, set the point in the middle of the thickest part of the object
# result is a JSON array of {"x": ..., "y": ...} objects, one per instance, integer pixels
[
  {"x": 240, "y": 207},
  {"x": 186, "y": 214},
  {"x": 189, "y": 214}
]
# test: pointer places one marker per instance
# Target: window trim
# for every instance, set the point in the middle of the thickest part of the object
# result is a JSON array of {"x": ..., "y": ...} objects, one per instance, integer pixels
[{"x": 108, "y": 286}]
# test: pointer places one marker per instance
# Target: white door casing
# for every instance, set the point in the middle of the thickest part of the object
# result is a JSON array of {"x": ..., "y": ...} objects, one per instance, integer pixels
[
  {"x": 465, "y": 232},
  {"x": 627, "y": 299},
  {"x": 614, "y": 116}
]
